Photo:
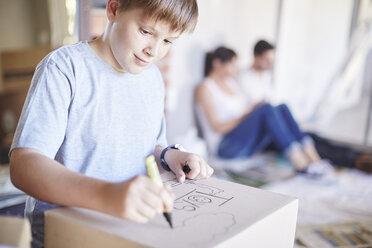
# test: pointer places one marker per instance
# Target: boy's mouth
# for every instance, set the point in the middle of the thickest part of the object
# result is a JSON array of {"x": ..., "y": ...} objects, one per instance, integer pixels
[{"x": 141, "y": 61}]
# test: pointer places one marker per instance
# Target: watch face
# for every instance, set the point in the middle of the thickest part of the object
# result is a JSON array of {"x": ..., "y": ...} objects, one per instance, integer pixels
[{"x": 179, "y": 147}]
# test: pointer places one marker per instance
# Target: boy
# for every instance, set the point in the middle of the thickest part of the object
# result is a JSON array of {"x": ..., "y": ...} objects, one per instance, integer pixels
[{"x": 94, "y": 111}]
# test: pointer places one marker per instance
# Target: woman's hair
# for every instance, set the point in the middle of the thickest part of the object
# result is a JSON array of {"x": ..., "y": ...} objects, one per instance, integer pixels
[
  {"x": 182, "y": 15},
  {"x": 223, "y": 54}
]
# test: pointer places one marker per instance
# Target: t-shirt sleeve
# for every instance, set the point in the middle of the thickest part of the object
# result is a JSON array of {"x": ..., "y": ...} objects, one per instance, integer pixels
[{"x": 44, "y": 115}]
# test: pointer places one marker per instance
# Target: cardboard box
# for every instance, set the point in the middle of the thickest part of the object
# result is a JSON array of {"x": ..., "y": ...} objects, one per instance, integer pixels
[
  {"x": 207, "y": 213},
  {"x": 15, "y": 231}
]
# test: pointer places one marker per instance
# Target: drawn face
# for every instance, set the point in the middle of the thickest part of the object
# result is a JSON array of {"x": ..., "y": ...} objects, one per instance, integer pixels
[{"x": 199, "y": 199}]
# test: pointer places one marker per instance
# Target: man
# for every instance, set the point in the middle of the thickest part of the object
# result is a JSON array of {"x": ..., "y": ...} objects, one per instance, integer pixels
[
  {"x": 256, "y": 80},
  {"x": 256, "y": 83}
]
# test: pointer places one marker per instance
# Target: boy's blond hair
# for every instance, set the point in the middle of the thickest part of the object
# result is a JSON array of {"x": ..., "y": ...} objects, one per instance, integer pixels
[{"x": 182, "y": 15}]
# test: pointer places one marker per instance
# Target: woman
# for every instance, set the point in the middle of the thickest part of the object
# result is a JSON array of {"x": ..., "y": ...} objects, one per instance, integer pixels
[{"x": 235, "y": 128}]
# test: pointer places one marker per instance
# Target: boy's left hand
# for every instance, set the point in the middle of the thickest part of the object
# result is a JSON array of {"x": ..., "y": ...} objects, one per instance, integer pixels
[{"x": 198, "y": 167}]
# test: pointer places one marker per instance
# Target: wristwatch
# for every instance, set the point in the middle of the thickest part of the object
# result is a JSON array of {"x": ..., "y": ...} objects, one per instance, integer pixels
[{"x": 162, "y": 160}]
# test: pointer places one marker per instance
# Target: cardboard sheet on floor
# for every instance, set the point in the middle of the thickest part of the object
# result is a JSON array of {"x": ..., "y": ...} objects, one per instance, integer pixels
[
  {"x": 207, "y": 213},
  {"x": 15, "y": 232}
]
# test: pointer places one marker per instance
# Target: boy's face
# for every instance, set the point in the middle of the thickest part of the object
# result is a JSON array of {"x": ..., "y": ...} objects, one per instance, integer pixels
[{"x": 136, "y": 41}]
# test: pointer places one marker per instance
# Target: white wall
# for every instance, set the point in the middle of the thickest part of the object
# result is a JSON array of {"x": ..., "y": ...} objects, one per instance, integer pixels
[
  {"x": 235, "y": 23},
  {"x": 312, "y": 45}
]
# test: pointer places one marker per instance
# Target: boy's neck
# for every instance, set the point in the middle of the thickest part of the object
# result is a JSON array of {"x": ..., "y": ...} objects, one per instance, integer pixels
[{"x": 102, "y": 48}]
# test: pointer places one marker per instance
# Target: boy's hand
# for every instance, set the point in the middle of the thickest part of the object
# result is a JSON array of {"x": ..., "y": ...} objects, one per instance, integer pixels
[
  {"x": 138, "y": 199},
  {"x": 198, "y": 167}
]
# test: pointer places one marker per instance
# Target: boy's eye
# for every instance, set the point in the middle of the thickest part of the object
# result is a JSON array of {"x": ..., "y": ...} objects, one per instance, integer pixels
[
  {"x": 145, "y": 31},
  {"x": 167, "y": 41}
]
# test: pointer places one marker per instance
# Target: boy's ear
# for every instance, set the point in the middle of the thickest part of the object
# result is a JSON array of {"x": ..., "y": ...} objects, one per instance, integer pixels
[{"x": 112, "y": 9}]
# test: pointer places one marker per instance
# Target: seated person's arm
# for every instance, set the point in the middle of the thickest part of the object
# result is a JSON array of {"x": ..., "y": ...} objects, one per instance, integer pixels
[
  {"x": 138, "y": 199},
  {"x": 258, "y": 104},
  {"x": 204, "y": 98}
]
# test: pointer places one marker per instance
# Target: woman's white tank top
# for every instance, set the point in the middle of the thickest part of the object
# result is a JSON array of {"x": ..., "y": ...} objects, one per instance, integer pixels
[{"x": 227, "y": 107}]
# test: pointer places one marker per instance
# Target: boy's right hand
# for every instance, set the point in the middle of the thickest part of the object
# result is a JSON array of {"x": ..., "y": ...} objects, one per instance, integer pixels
[{"x": 138, "y": 199}]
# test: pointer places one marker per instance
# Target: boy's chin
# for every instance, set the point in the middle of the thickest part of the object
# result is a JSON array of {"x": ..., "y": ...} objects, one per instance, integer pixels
[{"x": 136, "y": 69}]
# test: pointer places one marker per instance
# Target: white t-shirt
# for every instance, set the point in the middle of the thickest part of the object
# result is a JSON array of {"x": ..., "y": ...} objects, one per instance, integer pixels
[
  {"x": 256, "y": 87},
  {"x": 91, "y": 118},
  {"x": 227, "y": 107}
]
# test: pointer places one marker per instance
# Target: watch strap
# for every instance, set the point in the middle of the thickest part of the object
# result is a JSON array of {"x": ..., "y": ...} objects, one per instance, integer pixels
[{"x": 162, "y": 155}]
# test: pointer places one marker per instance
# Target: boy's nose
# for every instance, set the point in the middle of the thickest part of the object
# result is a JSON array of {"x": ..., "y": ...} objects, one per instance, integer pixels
[
  {"x": 152, "y": 49},
  {"x": 148, "y": 51}
]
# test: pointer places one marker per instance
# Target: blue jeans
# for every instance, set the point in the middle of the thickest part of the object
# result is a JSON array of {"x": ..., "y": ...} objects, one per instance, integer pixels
[
  {"x": 37, "y": 220},
  {"x": 265, "y": 125}
]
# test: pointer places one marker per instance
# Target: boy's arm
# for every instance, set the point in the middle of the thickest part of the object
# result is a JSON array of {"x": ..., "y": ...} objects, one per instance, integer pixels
[
  {"x": 176, "y": 160},
  {"x": 138, "y": 199}
]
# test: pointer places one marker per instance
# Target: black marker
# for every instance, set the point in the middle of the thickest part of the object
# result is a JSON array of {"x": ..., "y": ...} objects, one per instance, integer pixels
[{"x": 186, "y": 168}]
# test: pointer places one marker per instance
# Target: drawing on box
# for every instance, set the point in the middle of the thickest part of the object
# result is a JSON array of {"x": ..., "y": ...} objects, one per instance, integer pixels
[
  {"x": 195, "y": 199},
  {"x": 172, "y": 183},
  {"x": 204, "y": 209},
  {"x": 201, "y": 195},
  {"x": 212, "y": 190},
  {"x": 207, "y": 232}
]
